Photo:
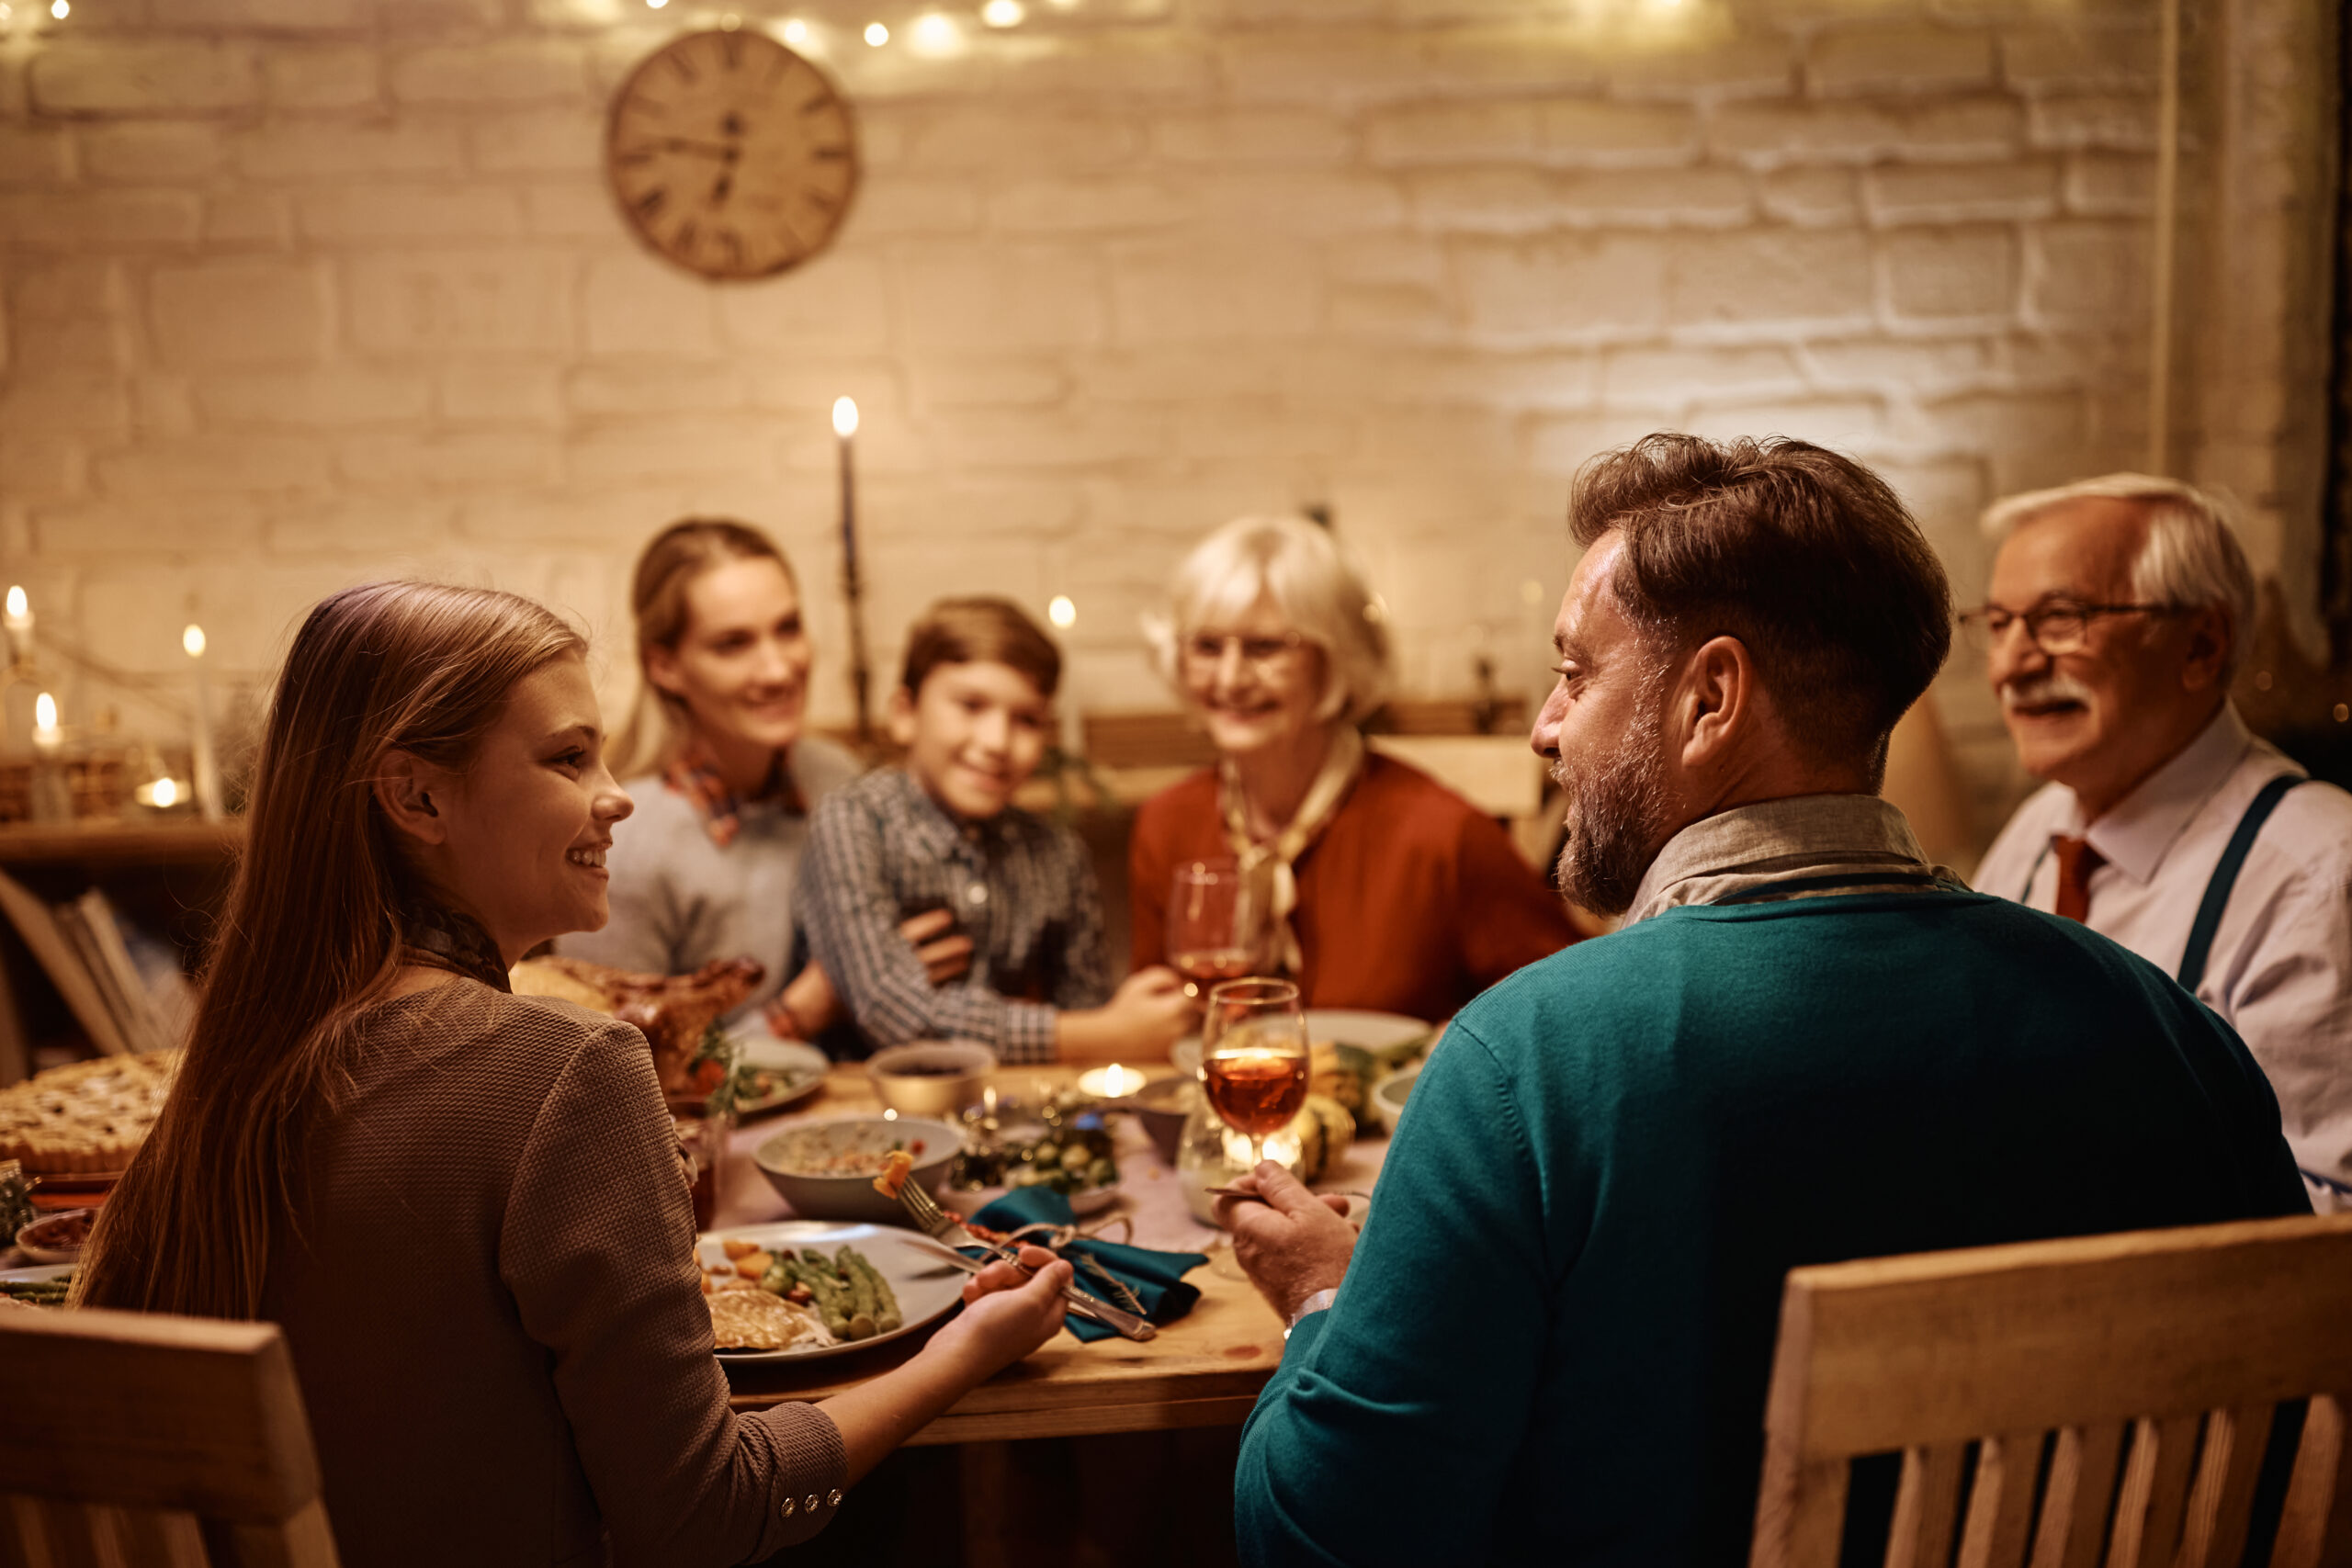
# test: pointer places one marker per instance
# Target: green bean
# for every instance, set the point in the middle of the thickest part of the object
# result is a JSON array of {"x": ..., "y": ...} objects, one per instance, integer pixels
[{"x": 887, "y": 1315}]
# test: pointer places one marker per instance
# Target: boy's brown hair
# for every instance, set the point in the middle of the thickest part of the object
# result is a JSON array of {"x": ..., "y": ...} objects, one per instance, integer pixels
[{"x": 980, "y": 629}]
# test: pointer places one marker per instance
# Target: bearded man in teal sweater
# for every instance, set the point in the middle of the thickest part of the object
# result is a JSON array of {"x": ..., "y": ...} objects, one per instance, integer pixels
[{"x": 1804, "y": 1043}]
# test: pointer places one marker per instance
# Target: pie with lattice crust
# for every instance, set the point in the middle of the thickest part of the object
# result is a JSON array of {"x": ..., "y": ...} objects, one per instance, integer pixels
[{"x": 85, "y": 1118}]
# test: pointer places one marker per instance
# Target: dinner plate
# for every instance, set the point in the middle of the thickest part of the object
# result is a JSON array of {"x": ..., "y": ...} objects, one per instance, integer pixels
[
  {"x": 1378, "y": 1032},
  {"x": 803, "y": 1068},
  {"x": 38, "y": 1271},
  {"x": 927, "y": 1289}
]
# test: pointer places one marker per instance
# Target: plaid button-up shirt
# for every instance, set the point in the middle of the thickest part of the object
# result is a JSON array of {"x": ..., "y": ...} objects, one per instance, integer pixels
[{"x": 1019, "y": 886}]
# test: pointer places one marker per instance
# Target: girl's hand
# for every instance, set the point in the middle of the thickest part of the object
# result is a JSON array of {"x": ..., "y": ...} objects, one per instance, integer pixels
[{"x": 1006, "y": 1315}]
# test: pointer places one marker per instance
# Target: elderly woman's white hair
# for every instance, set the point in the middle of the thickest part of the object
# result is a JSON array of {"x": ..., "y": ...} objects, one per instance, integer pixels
[
  {"x": 1319, "y": 591},
  {"x": 2191, "y": 558}
]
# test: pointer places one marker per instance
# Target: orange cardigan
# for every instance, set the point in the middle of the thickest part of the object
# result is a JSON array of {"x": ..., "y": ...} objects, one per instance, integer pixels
[{"x": 1410, "y": 902}]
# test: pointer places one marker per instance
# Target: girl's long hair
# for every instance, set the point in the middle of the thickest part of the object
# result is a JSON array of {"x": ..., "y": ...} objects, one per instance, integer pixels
[
  {"x": 312, "y": 935},
  {"x": 657, "y": 725}
]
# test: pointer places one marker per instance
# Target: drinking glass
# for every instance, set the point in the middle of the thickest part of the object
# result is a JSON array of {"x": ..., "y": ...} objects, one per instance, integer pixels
[
  {"x": 1254, "y": 1061},
  {"x": 1210, "y": 924}
]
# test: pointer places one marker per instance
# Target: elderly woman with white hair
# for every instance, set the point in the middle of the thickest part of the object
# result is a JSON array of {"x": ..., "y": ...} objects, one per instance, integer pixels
[
  {"x": 2120, "y": 609},
  {"x": 1382, "y": 888}
]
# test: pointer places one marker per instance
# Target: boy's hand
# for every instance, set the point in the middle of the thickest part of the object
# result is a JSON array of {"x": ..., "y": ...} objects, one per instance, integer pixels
[
  {"x": 1152, "y": 1008},
  {"x": 945, "y": 951}
]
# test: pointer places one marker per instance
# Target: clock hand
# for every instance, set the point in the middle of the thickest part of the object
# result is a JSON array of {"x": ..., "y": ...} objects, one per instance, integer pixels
[
  {"x": 726, "y": 153},
  {"x": 719, "y": 191}
]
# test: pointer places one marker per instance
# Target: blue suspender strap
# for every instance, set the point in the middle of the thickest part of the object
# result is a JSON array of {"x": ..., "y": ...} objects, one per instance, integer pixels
[
  {"x": 2025, "y": 893},
  {"x": 2225, "y": 877}
]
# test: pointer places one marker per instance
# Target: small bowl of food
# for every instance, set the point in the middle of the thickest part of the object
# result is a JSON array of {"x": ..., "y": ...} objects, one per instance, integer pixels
[
  {"x": 57, "y": 1239},
  {"x": 826, "y": 1169},
  {"x": 1388, "y": 1096},
  {"x": 1161, "y": 1106},
  {"x": 930, "y": 1077}
]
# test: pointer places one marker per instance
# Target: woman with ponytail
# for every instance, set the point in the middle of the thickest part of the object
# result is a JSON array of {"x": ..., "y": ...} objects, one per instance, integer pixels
[{"x": 467, "y": 1209}]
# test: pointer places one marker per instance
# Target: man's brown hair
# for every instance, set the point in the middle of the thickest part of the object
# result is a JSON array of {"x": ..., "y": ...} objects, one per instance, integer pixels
[
  {"x": 982, "y": 629},
  {"x": 1806, "y": 557}
]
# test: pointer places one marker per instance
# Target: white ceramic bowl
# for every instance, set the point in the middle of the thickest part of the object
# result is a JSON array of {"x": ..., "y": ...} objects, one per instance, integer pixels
[
  {"x": 793, "y": 1158},
  {"x": 40, "y": 1242},
  {"x": 930, "y": 1077}
]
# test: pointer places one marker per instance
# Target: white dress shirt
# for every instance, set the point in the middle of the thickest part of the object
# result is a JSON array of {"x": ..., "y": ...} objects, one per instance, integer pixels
[{"x": 2280, "y": 969}]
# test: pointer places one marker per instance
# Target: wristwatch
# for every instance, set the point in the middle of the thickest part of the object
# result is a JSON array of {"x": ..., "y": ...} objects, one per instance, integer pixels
[{"x": 1319, "y": 1301}]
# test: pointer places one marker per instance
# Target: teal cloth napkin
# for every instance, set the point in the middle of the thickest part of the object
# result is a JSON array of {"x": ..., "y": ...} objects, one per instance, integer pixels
[{"x": 1155, "y": 1277}]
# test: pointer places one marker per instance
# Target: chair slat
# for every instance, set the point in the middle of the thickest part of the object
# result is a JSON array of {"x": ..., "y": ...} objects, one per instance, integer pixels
[
  {"x": 2315, "y": 1528},
  {"x": 70, "y": 1532},
  {"x": 2000, "y": 1505},
  {"x": 2155, "y": 1493},
  {"x": 2221, "y": 1498},
  {"x": 161, "y": 1538},
  {"x": 301, "y": 1541},
  {"x": 1926, "y": 1505},
  {"x": 2074, "y": 1506},
  {"x": 1800, "y": 1513}
]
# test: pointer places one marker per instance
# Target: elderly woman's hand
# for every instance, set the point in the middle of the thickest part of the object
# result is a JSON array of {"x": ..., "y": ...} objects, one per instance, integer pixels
[
  {"x": 1290, "y": 1242},
  {"x": 1007, "y": 1313}
]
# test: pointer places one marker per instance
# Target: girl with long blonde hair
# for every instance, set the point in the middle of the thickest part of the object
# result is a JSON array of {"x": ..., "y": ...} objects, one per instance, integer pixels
[{"x": 466, "y": 1208}]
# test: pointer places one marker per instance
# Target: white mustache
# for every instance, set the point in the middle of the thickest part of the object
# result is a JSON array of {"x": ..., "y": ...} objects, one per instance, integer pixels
[{"x": 2050, "y": 686}]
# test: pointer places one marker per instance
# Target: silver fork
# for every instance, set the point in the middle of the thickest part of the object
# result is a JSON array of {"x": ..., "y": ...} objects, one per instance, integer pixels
[{"x": 942, "y": 1226}]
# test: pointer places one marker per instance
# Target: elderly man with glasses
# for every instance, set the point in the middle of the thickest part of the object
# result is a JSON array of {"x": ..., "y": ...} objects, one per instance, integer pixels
[{"x": 2119, "y": 608}]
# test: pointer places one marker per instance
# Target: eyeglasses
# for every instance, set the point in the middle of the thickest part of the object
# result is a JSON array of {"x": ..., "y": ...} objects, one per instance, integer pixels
[
  {"x": 2058, "y": 626},
  {"x": 1204, "y": 649}
]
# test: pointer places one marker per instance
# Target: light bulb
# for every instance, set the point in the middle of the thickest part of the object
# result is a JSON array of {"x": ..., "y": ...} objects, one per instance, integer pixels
[
  {"x": 657, "y": 5},
  {"x": 18, "y": 604},
  {"x": 844, "y": 417},
  {"x": 192, "y": 640},
  {"x": 877, "y": 34},
  {"x": 796, "y": 32},
  {"x": 934, "y": 31},
  {"x": 1003, "y": 12},
  {"x": 1061, "y": 611},
  {"x": 44, "y": 712},
  {"x": 166, "y": 792},
  {"x": 61, "y": 9}
]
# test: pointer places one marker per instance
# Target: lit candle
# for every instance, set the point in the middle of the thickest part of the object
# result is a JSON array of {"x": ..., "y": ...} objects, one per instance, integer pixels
[
  {"x": 207, "y": 766},
  {"x": 1063, "y": 612},
  {"x": 844, "y": 432},
  {"x": 19, "y": 622},
  {"x": 46, "y": 737},
  {"x": 1114, "y": 1082}
]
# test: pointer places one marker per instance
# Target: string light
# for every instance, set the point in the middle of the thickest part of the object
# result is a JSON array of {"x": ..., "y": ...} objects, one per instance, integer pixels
[
  {"x": 656, "y": 5},
  {"x": 192, "y": 642},
  {"x": 1061, "y": 611},
  {"x": 61, "y": 9},
  {"x": 796, "y": 32},
  {"x": 1003, "y": 12},
  {"x": 877, "y": 34},
  {"x": 933, "y": 31},
  {"x": 844, "y": 417}
]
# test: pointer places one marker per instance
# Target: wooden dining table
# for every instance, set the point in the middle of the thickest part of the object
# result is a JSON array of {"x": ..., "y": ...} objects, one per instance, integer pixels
[{"x": 1203, "y": 1369}]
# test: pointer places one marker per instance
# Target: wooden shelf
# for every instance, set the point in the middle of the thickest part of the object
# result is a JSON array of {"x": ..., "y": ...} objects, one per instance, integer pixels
[{"x": 188, "y": 841}]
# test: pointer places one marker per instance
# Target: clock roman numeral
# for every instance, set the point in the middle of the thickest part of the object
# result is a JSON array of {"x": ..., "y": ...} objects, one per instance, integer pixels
[
  {"x": 731, "y": 50},
  {"x": 650, "y": 202},
  {"x": 828, "y": 154},
  {"x": 733, "y": 246},
  {"x": 685, "y": 68}
]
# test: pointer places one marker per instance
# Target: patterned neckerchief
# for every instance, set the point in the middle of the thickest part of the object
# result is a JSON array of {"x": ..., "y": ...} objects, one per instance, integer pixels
[
  {"x": 441, "y": 938},
  {"x": 695, "y": 776}
]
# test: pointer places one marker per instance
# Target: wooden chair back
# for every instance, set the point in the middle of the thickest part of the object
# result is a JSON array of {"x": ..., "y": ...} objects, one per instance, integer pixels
[
  {"x": 133, "y": 1438},
  {"x": 2103, "y": 1400}
]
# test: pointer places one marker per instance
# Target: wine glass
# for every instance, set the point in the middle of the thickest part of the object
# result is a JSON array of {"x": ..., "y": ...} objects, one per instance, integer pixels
[
  {"x": 1254, "y": 1062},
  {"x": 1209, "y": 924}
]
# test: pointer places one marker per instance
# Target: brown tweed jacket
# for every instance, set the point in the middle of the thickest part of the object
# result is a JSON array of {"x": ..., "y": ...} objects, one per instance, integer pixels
[{"x": 495, "y": 1315}]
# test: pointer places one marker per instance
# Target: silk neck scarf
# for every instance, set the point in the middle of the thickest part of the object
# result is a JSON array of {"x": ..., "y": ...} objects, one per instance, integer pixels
[{"x": 1267, "y": 880}]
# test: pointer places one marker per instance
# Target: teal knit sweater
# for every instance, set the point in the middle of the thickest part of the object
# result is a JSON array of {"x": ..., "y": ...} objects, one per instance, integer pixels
[{"x": 1554, "y": 1340}]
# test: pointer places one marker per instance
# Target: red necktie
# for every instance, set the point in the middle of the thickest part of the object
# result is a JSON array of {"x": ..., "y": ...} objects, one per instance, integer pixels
[{"x": 2076, "y": 861}]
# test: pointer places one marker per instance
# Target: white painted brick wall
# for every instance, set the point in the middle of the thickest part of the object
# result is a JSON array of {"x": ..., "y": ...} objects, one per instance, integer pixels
[{"x": 303, "y": 291}]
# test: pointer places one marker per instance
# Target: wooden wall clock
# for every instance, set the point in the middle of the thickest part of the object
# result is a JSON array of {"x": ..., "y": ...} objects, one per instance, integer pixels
[{"x": 731, "y": 155}]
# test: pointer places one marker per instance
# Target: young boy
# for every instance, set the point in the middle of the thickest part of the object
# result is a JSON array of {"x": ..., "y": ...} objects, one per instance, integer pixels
[{"x": 973, "y": 708}]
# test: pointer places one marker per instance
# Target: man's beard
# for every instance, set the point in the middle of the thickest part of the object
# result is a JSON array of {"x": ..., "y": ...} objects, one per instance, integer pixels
[{"x": 1616, "y": 814}]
